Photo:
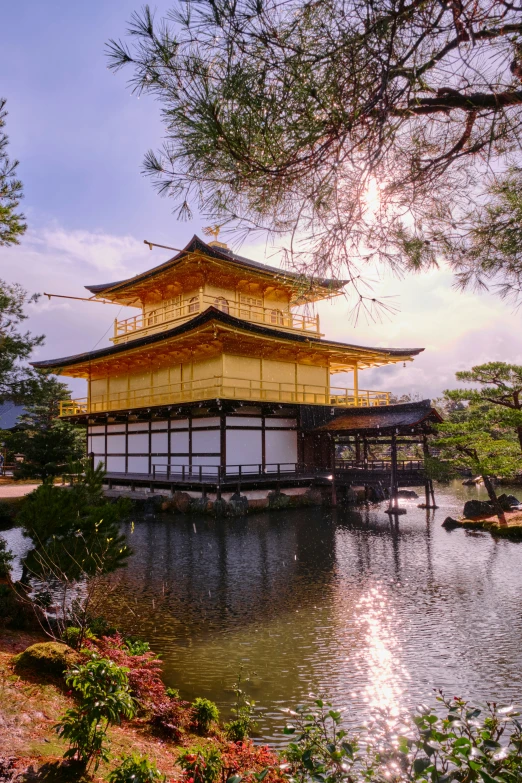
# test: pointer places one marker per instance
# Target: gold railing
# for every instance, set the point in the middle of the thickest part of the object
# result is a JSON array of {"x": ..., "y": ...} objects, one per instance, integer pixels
[
  {"x": 225, "y": 388},
  {"x": 169, "y": 315}
]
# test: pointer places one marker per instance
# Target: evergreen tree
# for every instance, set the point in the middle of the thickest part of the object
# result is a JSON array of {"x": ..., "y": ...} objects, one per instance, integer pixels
[
  {"x": 17, "y": 381},
  {"x": 468, "y": 444},
  {"x": 46, "y": 442},
  {"x": 282, "y": 117},
  {"x": 495, "y": 401},
  {"x": 12, "y": 224}
]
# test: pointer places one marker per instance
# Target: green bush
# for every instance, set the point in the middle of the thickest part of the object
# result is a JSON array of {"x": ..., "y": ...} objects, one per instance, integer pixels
[
  {"x": 204, "y": 713},
  {"x": 104, "y": 698},
  {"x": 75, "y": 637},
  {"x": 137, "y": 646},
  {"x": 135, "y": 769},
  {"x": 203, "y": 765},
  {"x": 243, "y": 724},
  {"x": 466, "y": 744},
  {"x": 6, "y": 558},
  {"x": 172, "y": 693}
]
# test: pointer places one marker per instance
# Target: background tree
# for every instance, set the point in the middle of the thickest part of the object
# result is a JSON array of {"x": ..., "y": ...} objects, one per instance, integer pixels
[
  {"x": 12, "y": 224},
  {"x": 17, "y": 381},
  {"x": 283, "y": 116},
  {"x": 467, "y": 445},
  {"x": 46, "y": 442},
  {"x": 487, "y": 247},
  {"x": 496, "y": 400}
]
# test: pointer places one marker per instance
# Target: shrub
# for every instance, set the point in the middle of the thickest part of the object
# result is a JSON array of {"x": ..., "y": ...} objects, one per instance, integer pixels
[
  {"x": 243, "y": 724},
  {"x": 202, "y": 765},
  {"x": 250, "y": 761},
  {"x": 75, "y": 637},
  {"x": 99, "y": 626},
  {"x": 144, "y": 670},
  {"x": 137, "y": 646},
  {"x": 467, "y": 744},
  {"x": 105, "y": 698},
  {"x": 172, "y": 693},
  {"x": 135, "y": 769},
  {"x": 6, "y": 558},
  {"x": 204, "y": 713}
]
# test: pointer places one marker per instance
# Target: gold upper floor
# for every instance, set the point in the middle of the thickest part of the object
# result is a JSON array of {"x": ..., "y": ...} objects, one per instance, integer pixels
[
  {"x": 164, "y": 315},
  {"x": 205, "y": 275}
]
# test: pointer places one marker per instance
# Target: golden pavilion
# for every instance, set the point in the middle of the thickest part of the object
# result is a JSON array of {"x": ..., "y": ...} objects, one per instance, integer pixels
[{"x": 222, "y": 367}]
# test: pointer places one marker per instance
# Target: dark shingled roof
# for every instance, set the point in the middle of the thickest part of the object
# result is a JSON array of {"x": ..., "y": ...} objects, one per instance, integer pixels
[
  {"x": 224, "y": 254},
  {"x": 213, "y": 314},
  {"x": 382, "y": 418}
]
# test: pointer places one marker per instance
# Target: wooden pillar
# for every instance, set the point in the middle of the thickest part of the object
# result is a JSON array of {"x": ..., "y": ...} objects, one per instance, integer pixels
[
  {"x": 428, "y": 483},
  {"x": 393, "y": 507},
  {"x": 356, "y": 383},
  {"x": 357, "y": 449}
]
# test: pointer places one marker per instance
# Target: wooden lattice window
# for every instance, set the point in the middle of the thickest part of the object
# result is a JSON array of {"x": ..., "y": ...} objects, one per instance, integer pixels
[
  {"x": 222, "y": 304},
  {"x": 193, "y": 305}
]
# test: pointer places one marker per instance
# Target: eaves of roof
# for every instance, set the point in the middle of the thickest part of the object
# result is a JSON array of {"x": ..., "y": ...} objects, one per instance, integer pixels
[
  {"x": 213, "y": 314},
  {"x": 197, "y": 244}
]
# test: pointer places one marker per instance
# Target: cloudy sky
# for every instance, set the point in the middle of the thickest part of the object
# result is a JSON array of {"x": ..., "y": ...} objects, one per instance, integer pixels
[{"x": 80, "y": 136}]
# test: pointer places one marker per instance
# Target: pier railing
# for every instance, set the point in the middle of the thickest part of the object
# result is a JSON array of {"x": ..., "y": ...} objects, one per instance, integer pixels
[
  {"x": 220, "y": 387},
  {"x": 220, "y": 473},
  {"x": 404, "y": 465}
]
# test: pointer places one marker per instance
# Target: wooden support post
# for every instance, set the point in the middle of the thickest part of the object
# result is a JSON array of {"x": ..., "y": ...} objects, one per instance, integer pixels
[
  {"x": 393, "y": 507},
  {"x": 428, "y": 483}
]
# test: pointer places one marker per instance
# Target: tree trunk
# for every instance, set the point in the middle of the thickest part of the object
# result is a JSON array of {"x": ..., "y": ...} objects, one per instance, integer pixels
[
  {"x": 519, "y": 433},
  {"x": 494, "y": 500}
]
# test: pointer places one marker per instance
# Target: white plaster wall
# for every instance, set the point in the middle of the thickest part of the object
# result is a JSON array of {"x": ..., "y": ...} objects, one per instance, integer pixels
[
  {"x": 138, "y": 464},
  {"x": 160, "y": 442},
  {"x": 159, "y": 425},
  {"x": 139, "y": 443},
  {"x": 116, "y": 428},
  {"x": 179, "y": 442},
  {"x": 244, "y": 421},
  {"x": 280, "y": 446},
  {"x": 116, "y": 464},
  {"x": 244, "y": 448},
  {"x": 271, "y": 423},
  {"x": 179, "y": 424},
  {"x": 115, "y": 444},
  {"x": 98, "y": 444},
  {"x": 206, "y": 442},
  {"x": 209, "y": 421}
]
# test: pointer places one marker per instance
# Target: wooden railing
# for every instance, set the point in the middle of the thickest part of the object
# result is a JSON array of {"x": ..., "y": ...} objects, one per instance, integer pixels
[
  {"x": 166, "y": 316},
  {"x": 403, "y": 465},
  {"x": 221, "y": 473},
  {"x": 225, "y": 388}
]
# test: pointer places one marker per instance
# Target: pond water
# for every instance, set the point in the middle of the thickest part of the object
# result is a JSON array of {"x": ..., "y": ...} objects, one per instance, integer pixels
[{"x": 336, "y": 602}]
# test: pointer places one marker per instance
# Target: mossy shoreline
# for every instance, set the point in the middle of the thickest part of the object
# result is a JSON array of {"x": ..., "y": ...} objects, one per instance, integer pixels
[{"x": 491, "y": 524}]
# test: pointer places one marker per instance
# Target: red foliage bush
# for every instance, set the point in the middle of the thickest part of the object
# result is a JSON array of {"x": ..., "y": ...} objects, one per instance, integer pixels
[
  {"x": 245, "y": 758},
  {"x": 144, "y": 670},
  {"x": 170, "y": 715}
]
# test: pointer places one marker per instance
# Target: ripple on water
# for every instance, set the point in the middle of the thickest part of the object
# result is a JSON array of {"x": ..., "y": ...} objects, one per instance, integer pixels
[{"x": 340, "y": 603}]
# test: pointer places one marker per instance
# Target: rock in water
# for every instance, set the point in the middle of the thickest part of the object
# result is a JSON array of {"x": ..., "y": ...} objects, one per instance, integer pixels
[
  {"x": 508, "y": 502},
  {"x": 407, "y": 493},
  {"x": 477, "y": 508},
  {"x": 450, "y": 523}
]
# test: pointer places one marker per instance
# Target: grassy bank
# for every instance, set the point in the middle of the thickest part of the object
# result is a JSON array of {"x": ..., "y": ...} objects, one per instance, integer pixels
[{"x": 30, "y": 706}]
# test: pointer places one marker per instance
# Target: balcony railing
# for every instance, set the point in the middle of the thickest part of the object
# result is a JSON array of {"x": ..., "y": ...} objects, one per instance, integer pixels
[
  {"x": 166, "y": 316},
  {"x": 225, "y": 388}
]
